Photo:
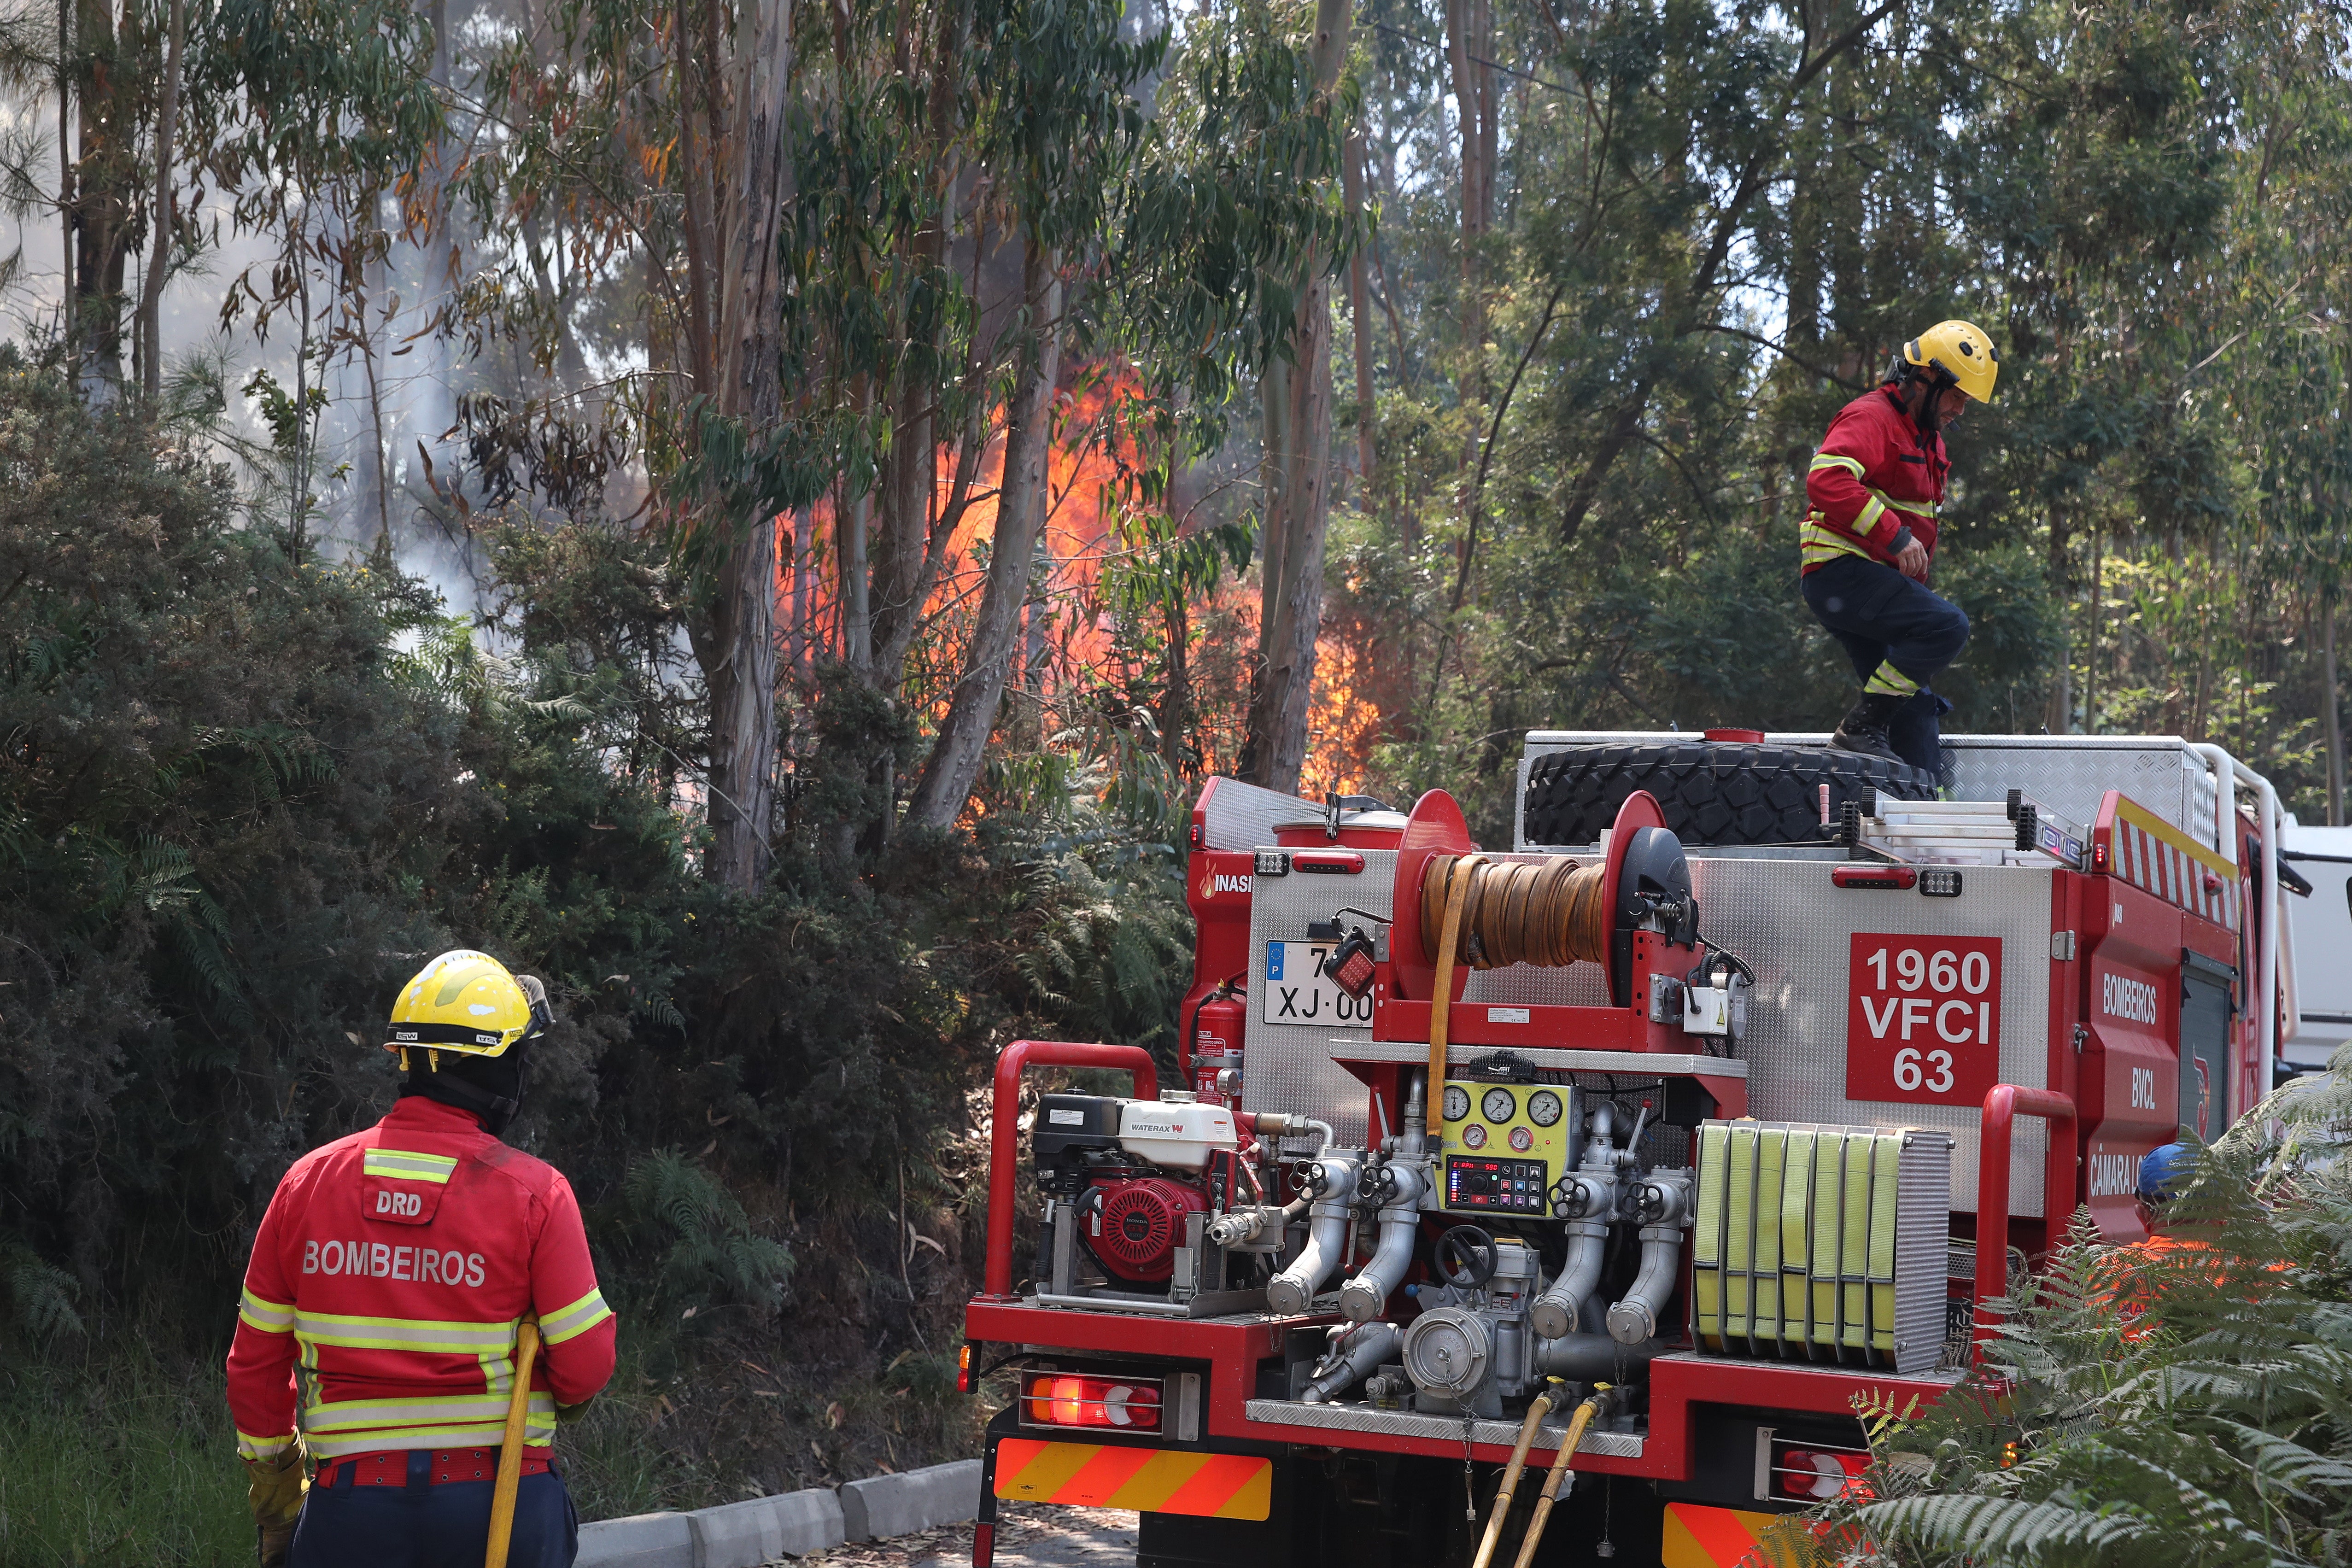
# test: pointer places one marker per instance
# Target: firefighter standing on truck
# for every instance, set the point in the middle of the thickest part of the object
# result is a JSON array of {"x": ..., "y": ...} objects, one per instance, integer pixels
[
  {"x": 382, "y": 1302},
  {"x": 1877, "y": 486}
]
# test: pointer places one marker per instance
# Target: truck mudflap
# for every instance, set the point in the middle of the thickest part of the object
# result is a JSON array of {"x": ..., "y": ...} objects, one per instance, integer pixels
[
  {"x": 1149, "y": 1480},
  {"x": 1695, "y": 1535},
  {"x": 1221, "y": 1492}
]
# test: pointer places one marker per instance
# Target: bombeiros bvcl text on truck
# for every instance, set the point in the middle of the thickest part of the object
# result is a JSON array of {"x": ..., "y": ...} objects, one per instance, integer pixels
[{"x": 1558, "y": 1204}]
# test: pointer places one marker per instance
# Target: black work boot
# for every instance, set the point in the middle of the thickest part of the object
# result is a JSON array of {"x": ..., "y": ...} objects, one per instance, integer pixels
[{"x": 1864, "y": 727}]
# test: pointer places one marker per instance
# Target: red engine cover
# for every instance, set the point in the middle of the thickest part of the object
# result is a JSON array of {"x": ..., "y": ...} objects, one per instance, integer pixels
[{"x": 1142, "y": 1224}]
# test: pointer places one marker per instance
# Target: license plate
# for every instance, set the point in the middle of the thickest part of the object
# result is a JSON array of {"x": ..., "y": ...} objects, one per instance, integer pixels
[{"x": 1292, "y": 989}]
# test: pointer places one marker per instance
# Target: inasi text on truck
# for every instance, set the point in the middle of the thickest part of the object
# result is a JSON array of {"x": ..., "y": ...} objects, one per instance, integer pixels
[{"x": 1556, "y": 1203}]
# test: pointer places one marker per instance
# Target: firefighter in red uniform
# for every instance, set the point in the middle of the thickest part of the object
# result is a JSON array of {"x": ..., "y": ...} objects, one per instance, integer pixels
[
  {"x": 1869, "y": 541},
  {"x": 378, "y": 1325}
]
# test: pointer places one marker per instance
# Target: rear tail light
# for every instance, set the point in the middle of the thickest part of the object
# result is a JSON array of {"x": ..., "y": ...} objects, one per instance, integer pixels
[
  {"x": 1068, "y": 1399},
  {"x": 1817, "y": 1473},
  {"x": 963, "y": 1368}
]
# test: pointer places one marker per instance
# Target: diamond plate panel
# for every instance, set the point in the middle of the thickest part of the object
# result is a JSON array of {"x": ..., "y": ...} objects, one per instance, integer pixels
[
  {"x": 1793, "y": 929},
  {"x": 1448, "y": 1429},
  {"x": 2072, "y": 778},
  {"x": 1288, "y": 1067},
  {"x": 2068, "y": 773}
]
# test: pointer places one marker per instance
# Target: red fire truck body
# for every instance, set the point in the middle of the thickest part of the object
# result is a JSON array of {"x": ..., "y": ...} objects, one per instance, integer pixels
[{"x": 1831, "y": 1062}]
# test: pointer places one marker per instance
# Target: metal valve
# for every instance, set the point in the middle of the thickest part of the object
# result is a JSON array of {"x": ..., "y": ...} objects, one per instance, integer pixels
[
  {"x": 1656, "y": 1202},
  {"x": 1571, "y": 1198}
]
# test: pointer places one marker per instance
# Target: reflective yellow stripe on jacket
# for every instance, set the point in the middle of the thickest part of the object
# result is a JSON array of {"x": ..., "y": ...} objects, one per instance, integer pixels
[
  {"x": 268, "y": 1317},
  {"x": 408, "y": 1165},
  {"x": 448, "y": 1421},
  {"x": 249, "y": 1446},
  {"x": 419, "y": 1334},
  {"x": 469, "y": 1420},
  {"x": 1819, "y": 540},
  {"x": 570, "y": 1322}
]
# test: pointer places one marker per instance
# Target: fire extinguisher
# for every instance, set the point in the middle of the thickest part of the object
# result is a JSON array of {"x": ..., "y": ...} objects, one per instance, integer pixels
[{"x": 1217, "y": 1022}]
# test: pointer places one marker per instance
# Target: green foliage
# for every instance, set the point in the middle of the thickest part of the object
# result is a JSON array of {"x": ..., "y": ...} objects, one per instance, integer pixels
[
  {"x": 40, "y": 1295},
  {"x": 217, "y": 781},
  {"x": 1235, "y": 191},
  {"x": 701, "y": 1249},
  {"x": 1105, "y": 942},
  {"x": 2187, "y": 1401},
  {"x": 126, "y": 1459}
]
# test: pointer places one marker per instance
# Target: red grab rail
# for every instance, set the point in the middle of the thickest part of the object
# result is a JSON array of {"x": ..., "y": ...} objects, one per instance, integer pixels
[
  {"x": 1004, "y": 1132},
  {"x": 2002, "y": 1105}
]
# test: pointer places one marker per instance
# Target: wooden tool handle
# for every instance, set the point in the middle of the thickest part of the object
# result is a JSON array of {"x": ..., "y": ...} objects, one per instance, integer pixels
[{"x": 509, "y": 1481}]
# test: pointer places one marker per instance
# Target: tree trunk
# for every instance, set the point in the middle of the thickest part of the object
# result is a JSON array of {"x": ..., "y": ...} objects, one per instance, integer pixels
[
  {"x": 151, "y": 301},
  {"x": 956, "y": 757},
  {"x": 700, "y": 290},
  {"x": 1298, "y": 399},
  {"x": 739, "y": 652},
  {"x": 1359, "y": 308},
  {"x": 69, "y": 313},
  {"x": 2330, "y": 710},
  {"x": 743, "y": 687},
  {"x": 2061, "y": 717},
  {"x": 1285, "y": 687},
  {"x": 1469, "y": 43},
  {"x": 2091, "y": 653},
  {"x": 106, "y": 180}
]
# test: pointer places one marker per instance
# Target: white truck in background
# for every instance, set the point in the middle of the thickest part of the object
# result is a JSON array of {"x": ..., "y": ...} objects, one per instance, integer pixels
[{"x": 2319, "y": 935}]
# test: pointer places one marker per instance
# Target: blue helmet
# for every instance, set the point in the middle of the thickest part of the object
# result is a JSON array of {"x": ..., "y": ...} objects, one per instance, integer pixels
[{"x": 2165, "y": 1173}]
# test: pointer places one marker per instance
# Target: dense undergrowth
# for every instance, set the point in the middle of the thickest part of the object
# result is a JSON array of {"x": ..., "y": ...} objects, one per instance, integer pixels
[
  {"x": 245, "y": 790},
  {"x": 2182, "y": 1401}
]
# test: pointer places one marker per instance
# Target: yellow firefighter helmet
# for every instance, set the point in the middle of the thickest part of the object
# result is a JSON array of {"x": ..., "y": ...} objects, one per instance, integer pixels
[
  {"x": 1963, "y": 353},
  {"x": 466, "y": 1002}
]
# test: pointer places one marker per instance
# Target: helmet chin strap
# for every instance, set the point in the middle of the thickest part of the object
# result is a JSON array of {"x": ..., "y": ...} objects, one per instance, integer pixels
[
  {"x": 497, "y": 1111},
  {"x": 1933, "y": 382}
]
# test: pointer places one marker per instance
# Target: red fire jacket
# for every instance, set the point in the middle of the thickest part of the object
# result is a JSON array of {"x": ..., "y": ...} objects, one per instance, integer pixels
[
  {"x": 386, "y": 1284},
  {"x": 1872, "y": 480}
]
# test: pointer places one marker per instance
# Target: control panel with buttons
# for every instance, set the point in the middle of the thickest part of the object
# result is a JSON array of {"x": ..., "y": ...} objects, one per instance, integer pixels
[
  {"x": 1510, "y": 1186},
  {"x": 1506, "y": 1145}
]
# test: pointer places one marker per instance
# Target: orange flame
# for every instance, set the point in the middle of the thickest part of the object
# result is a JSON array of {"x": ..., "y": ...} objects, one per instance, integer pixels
[{"x": 1069, "y": 652}]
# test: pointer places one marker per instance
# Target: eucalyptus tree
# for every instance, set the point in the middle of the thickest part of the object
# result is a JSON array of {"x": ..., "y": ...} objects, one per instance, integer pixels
[{"x": 301, "y": 117}]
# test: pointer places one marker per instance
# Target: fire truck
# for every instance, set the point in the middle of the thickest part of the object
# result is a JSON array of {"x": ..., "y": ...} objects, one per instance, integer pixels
[{"x": 1574, "y": 1202}]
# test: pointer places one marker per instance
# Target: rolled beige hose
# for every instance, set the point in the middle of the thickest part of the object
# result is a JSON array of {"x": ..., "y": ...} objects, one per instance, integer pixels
[
  {"x": 1535, "y": 1413},
  {"x": 1559, "y": 1472}
]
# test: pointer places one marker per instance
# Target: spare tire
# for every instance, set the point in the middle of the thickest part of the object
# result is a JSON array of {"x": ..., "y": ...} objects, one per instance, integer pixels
[{"x": 1712, "y": 792}]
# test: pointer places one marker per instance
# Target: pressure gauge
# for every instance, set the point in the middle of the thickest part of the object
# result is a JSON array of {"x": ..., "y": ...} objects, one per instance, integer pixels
[
  {"x": 1500, "y": 1106},
  {"x": 1543, "y": 1108},
  {"x": 1473, "y": 1136},
  {"x": 1457, "y": 1103}
]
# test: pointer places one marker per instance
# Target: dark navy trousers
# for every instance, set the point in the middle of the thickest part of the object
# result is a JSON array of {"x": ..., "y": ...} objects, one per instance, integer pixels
[
  {"x": 1880, "y": 617},
  {"x": 421, "y": 1525}
]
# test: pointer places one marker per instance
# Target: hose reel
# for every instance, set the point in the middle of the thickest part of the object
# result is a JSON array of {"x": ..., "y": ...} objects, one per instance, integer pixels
[
  {"x": 1474, "y": 913},
  {"x": 1548, "y": 913}
]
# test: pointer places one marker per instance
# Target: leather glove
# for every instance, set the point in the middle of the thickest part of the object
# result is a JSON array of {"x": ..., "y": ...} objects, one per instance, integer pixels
[
  {"x": 565, "y": 1415},
  {"x": 275, "y": 1496}
]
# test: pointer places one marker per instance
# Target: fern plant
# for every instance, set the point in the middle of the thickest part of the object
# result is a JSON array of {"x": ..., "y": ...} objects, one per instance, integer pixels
[
  {"x": 703, "y": 1249},
  {"x": 2184, "y": 1402},
  {"x": 40, "y": 1295}
]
